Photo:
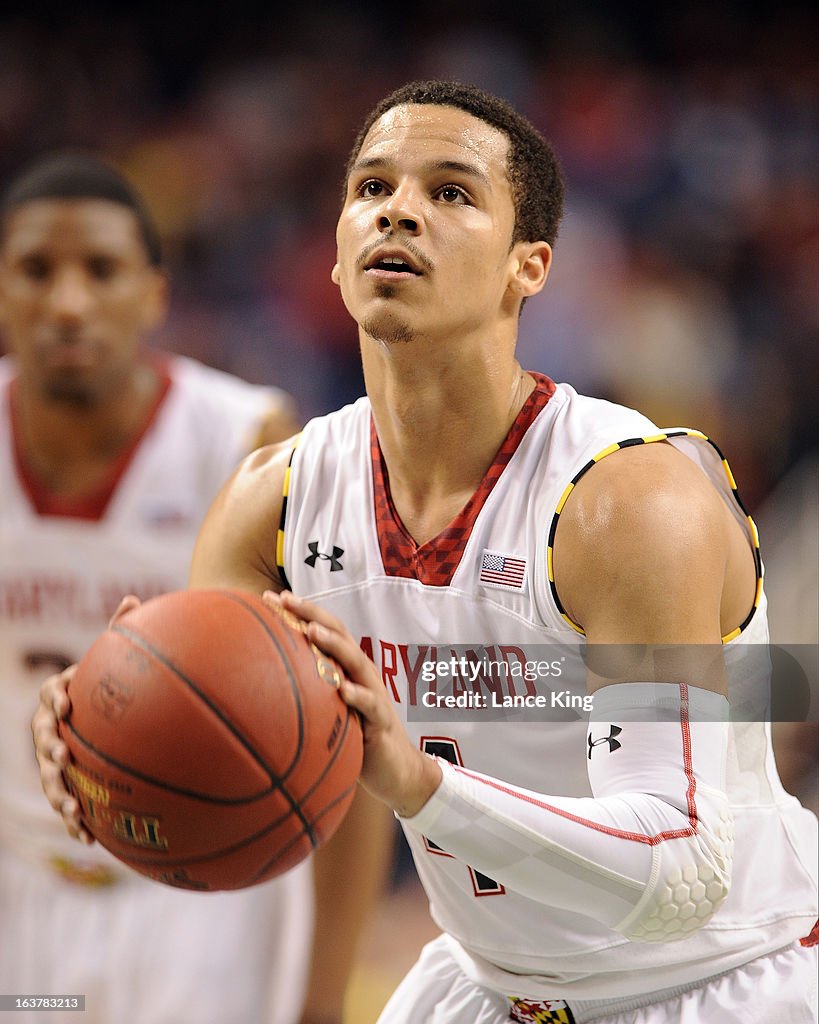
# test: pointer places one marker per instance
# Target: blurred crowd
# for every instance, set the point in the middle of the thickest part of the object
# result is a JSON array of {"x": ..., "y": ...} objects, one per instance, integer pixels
[{"x": 685, "y": 276}]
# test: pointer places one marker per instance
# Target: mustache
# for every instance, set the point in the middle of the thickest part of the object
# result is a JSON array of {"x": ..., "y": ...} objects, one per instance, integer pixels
[
  {"x": 64, "y": 336},
  {"x": 382, "y": 243}
]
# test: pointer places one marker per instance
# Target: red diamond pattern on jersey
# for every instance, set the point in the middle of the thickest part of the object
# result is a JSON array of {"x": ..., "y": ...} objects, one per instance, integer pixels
[{"x": 435, "y": 562}]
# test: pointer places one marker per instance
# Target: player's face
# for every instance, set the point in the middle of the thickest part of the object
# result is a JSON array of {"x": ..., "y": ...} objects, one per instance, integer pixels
[
  {"x": 77, "y": 294},
  {"x": 424, "y": 237}
]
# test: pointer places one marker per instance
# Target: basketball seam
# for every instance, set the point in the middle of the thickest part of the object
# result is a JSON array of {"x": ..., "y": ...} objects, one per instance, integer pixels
[
  {"x": 152, "y": 860},
  {"x": 325, "y": 810},
  {"x": 299, "y": 712},
  {"x": 200, "y": 858},
  {"x": 277, "y": 781},
  {"x": 297, "y": 696},
  {"x": 161, "y": 783},
  {"x": 291, "y": 812},
  {"x": 307, "y": 830}
]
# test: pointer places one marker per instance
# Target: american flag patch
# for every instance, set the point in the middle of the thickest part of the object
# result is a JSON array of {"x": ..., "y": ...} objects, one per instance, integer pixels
[{"x": 499, "y": 570}]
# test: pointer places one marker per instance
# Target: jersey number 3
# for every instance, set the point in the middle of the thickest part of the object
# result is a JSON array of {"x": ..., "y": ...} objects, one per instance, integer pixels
[{"x": 442, "y": 746}]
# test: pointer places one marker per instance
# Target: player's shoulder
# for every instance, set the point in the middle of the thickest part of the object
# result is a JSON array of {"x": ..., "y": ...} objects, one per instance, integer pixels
[
  {"x": 640, "y": 487},
  {"x": 264, "y": 413},
  {"x": 252, "y": 499},
  {"x": 208, "y": 383}
]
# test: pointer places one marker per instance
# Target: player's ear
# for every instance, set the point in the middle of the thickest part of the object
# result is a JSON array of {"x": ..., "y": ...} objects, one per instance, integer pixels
[
  {"x": 335, "y": 274},
  {"x": 531, "y": 268}
]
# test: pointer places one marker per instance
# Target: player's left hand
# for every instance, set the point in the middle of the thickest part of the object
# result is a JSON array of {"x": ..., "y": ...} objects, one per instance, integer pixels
[
  {"x": 394, "y": 770},
  {"x": 52, "y": 753}
]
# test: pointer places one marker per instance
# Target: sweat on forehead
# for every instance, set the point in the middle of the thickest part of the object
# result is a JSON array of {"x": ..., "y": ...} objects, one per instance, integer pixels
[{"x": 441, "y": 137}]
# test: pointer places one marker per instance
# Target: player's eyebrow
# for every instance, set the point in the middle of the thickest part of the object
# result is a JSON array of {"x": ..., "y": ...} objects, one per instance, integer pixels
[
  {"x": 455, "y": 166},
  {"x": 461, "y": 167}
]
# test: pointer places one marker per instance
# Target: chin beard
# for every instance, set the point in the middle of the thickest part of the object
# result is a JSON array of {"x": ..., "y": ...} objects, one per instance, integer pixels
[
  {"x": 384, "y": 327},
  {"x": 388, "y": 330},
  {"x": 74, "y": 394}
]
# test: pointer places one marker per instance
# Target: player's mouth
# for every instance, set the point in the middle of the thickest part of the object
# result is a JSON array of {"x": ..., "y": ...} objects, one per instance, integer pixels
[
  {"x": 392, "y": 266},
  {"x": 69, "y": 352}
]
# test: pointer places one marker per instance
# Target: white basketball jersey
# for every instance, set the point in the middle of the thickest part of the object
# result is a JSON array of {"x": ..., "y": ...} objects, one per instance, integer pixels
[
  {"x": 61, "y": 577},
  {"x": 484, "y": 583}
]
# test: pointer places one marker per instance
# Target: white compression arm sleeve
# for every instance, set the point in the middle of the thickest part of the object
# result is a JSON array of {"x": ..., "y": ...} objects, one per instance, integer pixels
[{"x": 648, "y": 855}]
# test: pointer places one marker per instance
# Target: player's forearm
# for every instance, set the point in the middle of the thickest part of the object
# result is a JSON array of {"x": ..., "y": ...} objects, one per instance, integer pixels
[{"x": 658, "y": 810}]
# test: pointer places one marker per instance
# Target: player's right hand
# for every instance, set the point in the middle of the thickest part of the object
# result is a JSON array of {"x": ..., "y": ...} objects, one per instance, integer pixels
[
  {"x": 394, "y": 769},
  {"x": 52, "y": 753}
]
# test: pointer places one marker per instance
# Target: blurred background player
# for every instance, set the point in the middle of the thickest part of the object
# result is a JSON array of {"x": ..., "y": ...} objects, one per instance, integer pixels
[{"x": 110, "y": 453}]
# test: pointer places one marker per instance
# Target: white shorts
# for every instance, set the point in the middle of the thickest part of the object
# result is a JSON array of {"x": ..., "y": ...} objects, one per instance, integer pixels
[
  {"x": 780, "y": 987},
  {"x": 145, "y": 953}
]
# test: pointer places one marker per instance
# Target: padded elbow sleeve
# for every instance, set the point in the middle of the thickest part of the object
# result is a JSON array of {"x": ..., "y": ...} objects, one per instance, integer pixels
[
  {"x": 648, "y": 855},
  {"x": 671, "y": 748}
]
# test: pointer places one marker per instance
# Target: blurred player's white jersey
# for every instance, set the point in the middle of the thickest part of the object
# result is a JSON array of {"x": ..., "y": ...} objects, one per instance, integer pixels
[
  {"x": 63, "y": 573},
  {"x": 62, "y": 577},
  {"x": 484, "y": 584}
]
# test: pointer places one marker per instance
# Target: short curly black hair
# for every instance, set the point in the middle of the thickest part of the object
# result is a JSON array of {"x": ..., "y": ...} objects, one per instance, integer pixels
[
  {"x": 534, "y": 171},
  {"x": 76, "y": 175}
]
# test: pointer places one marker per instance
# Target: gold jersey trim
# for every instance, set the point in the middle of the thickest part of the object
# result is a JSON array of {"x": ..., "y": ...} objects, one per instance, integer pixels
[
  {"x": 282, "y": 519},
  {"x": 650, "y": 439}
]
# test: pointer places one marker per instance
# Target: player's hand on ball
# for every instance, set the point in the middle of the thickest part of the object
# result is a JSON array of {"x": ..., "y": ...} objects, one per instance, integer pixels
[
  {"x": 394, "y": 770},
  {"x": 52, "y": 753}
]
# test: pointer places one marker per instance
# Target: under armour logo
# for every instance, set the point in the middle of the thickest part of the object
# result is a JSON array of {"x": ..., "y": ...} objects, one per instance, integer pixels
[
  {"x": 315, "y": 554},
  {"x": 612, "y": 742}
]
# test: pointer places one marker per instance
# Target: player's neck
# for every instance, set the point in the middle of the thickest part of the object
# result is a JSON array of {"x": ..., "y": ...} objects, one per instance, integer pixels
[
  {"x": 440, "y": 428},
  {"x": 66, "y": 446}
]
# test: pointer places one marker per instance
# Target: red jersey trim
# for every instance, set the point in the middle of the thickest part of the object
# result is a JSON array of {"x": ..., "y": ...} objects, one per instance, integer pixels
[
  {"x": 91, "y": 506},
  {"x": 434, "y": 563},
  {"x": 635, "y": 837}
]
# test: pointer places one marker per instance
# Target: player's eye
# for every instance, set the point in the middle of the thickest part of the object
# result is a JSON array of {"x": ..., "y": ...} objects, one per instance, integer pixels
[
  {"x": 101, "y": 268},
  {"x": 372, "y": 188},
  {"x": 452, "y": 194},
  {"x": 35, "y": 267}
]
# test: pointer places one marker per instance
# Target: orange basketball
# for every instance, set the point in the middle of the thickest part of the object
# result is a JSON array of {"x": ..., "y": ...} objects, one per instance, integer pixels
[{"x": 210, "y": 748}]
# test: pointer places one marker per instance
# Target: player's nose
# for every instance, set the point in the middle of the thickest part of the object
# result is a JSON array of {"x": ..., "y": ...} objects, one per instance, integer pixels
[
  {"x": 70, "y": 296},
  {"x": 403, "y": 210}
]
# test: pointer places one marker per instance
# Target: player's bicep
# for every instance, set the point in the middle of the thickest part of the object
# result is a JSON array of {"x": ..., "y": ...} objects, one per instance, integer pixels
[{"x": 236, "y": 544}]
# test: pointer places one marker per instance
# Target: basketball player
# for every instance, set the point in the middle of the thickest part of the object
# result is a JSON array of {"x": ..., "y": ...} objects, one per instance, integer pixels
[
  {"x": 109, "y": 458},
  {"x": 636, "y": 864}
]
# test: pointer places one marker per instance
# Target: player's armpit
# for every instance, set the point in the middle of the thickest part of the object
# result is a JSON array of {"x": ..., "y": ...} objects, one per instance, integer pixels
[
  {"x": 236, "y": 545},
  {"x": 648, "y": 855}
]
